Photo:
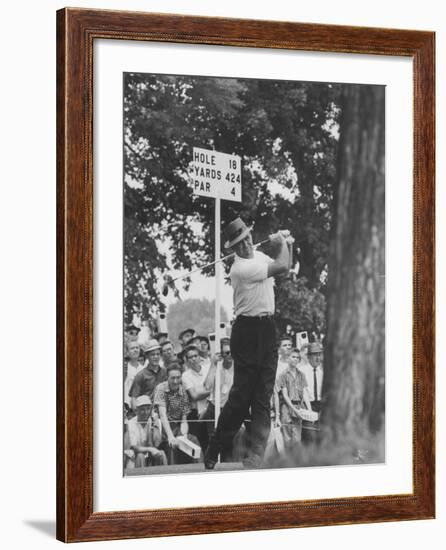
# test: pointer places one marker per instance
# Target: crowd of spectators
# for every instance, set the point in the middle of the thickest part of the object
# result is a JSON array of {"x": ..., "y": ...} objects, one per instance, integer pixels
[{"x": 170, "y": 397}]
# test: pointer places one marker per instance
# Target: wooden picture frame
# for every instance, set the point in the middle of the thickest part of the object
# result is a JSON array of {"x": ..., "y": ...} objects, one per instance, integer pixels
[{"x": 77, "y": 29}]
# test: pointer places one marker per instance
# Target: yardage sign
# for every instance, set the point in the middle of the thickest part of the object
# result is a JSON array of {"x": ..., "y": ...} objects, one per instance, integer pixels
[{"x": 217, "y": 175}]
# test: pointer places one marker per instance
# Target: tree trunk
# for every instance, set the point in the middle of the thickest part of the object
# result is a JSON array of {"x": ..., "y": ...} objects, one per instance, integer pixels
[{"x": 354, "y": 353}]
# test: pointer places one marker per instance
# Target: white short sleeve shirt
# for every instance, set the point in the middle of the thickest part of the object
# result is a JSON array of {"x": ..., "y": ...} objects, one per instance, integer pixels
[
  {"x": 194, "y": 379},
  {"x": 253, "y": 289}
]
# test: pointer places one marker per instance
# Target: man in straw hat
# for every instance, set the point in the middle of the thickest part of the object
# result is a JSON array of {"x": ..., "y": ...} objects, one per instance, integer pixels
[
  {"x": 253, "y": 343},
  {"x": 151, "y": 375}
]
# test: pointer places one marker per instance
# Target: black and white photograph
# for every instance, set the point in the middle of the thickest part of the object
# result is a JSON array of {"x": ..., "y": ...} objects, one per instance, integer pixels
[
  {"x": 254, "y": 274},
  {"x": 222, "y": 236}
]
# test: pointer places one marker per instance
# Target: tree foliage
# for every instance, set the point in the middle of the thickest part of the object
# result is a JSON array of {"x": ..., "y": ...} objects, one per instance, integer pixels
[
  {"x": 193, "y": 313},
  {"x": 286, "y": 134}
]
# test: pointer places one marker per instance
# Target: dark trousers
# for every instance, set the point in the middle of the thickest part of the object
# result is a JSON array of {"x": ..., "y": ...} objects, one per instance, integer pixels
[
  {"x": 209, "y": 416},
  {"x": 198, "y": 429},
  {"x": 254, "y": 351}
]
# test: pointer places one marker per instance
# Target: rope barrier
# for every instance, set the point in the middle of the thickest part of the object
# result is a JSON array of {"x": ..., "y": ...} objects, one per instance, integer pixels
[{"x": 212, "y": 420}]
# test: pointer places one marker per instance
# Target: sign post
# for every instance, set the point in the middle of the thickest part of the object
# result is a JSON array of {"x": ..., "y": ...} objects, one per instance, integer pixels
[
  {"x": 217, "y": 175},
  {"x": 218, "y": 267}
]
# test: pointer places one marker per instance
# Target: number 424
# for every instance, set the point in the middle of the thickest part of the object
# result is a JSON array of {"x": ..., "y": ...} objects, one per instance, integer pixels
[{"x": 232, "y": 178}]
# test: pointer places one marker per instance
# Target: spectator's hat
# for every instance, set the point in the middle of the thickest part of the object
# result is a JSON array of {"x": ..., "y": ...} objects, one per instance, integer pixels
[
  {"x": 152, "y": 345},
  {"x": 185, "y": 331},
  {"x": 235, "y": 232},
  {"x": 193, "y": 341},
  {"x": 132, "y": 327},
  {"x": 161, "y": 335},
  {"x": 142, "y": 400},
  {"x": 314, "y": 347}
]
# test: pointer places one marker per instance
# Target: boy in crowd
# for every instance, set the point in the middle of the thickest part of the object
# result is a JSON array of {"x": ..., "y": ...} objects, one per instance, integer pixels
[
  {"x": 167, "y": 353},
  {"x": 185, "y": 335},
  {"x": 293, "y": 386}
]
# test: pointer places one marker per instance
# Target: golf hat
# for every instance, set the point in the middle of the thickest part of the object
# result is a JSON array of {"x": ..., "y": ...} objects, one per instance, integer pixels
[{"x": 235, "y": 232}]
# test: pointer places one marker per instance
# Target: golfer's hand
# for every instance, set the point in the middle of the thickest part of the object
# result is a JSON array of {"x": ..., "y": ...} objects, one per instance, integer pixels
[
  {"x": 277, "y": 422},
  {"x": 277, "y": 238}
]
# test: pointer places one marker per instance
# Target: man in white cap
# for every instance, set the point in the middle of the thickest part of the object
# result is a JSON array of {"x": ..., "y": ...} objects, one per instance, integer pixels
[
  {"x": 151, "y": 375},
  {"x": 253, "y": 343},
  {"x": 142, "y": 439}
]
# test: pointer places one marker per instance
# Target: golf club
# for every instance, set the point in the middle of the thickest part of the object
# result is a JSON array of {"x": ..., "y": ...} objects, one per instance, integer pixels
[{"x": 169, "y": 280}]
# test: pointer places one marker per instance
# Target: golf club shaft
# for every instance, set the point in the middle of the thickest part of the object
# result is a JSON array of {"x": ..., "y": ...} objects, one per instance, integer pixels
[{"x": 184, "y": 275}]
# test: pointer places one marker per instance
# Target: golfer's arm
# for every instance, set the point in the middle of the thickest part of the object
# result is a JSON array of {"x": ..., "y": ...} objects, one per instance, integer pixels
[{"x": 281, "y": 264}]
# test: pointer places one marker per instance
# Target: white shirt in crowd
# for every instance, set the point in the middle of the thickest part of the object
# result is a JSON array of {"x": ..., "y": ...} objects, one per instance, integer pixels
[
  {"x": 205, "y": 364},
  {"x": 138, "y": 433},
  {"x": 253, "y": 289},
  {"x": 281, "y": 367},
  {"x": 308, "y": 370},
  {"x": 194, "y": 379},
  {"x": 131, "y": 373},
  {"x": 226, "y": 381}
]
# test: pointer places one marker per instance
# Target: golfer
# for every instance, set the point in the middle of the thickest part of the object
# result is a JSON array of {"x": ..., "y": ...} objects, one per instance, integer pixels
[{"x": 253, "y": 343}]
